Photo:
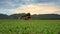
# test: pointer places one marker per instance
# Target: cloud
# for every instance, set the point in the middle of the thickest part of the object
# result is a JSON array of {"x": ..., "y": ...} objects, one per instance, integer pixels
[
  {"x": 6, "y": 11},
  {"x": 8, "y": 6},
  {"x": 36, "y": 9}
]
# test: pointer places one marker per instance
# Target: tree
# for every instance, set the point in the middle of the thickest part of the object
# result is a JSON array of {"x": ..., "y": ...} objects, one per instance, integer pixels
[{"x": 28, "y": 16}]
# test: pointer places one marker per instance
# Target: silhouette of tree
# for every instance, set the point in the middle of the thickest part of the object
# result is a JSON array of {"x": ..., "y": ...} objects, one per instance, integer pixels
[{"x": 28, "y": 16}]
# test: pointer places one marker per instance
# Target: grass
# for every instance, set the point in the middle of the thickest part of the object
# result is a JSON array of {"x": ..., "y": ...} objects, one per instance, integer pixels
[{"x": 13, "y": 26}]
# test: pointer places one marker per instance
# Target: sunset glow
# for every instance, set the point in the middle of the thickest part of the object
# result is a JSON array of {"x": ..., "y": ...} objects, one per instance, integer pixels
[
  {"x": 32, "y": 6},
  {"x": 36, "y": 9}
]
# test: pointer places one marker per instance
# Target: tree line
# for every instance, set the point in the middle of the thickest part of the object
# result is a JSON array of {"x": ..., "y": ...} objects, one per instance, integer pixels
[{"x": 38, "y": 17}]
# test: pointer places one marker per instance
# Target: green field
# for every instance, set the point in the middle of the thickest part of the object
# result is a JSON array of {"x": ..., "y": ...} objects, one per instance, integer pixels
[{"x": 29, "y": 26}]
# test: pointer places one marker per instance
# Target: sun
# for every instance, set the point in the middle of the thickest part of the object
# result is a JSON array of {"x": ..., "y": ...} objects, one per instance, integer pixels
[{"x": 36, "y": 9}]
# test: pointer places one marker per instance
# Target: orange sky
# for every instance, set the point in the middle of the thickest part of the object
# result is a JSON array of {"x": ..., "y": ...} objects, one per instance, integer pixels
[{"x": 36, "y": 9}]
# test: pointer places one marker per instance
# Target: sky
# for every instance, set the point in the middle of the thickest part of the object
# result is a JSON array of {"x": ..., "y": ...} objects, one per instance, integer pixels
[{"x": 30, "y": 6}]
